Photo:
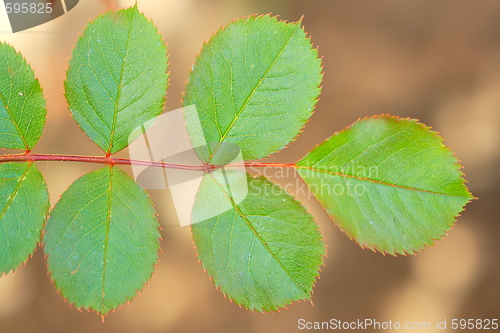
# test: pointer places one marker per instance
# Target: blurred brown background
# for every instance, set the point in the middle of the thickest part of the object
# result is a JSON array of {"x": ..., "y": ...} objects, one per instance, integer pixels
[{"x": 437, "y": 61}]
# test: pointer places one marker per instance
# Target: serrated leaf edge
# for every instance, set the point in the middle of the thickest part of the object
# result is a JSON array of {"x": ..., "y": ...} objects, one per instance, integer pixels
[
  {"x": 37, "y": 82},
  {"x": 39, "y": 242},
  {"x": 278, "y": 21},
  {"x": 80, "y": 35},
  {"x": 436, "y": 135},
  {"x": 315, "y": 278},
  {"x": 138, "y": 291}
]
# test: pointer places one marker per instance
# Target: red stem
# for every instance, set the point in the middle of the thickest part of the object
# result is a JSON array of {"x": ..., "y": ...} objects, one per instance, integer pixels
[{"x": 112, "y": 160}]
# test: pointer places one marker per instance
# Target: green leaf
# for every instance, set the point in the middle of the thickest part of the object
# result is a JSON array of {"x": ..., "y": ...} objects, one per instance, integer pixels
[
  {"x": 388, "y": 183},
  {"x": 22, "y": 104},
  {"x": 263, "y": 253},
  {"x": 254, "y": 84},
  {"x": 102, "y": 240},
  {"x": 24, "y": 204},
  {"x": 117, "y": 77}
]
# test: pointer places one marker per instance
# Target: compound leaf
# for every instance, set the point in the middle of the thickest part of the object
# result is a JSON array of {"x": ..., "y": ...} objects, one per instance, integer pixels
[
  {"x": 254, "y": 84},
  {"x": 388, "y": 183},
  {"x": 263, "y": 253},
  {"x": 22, "y": 104},
  {"x": 24, "y": 204},
  {"x": 102, "y": 240},
  {"x": 117, "y": 79}
]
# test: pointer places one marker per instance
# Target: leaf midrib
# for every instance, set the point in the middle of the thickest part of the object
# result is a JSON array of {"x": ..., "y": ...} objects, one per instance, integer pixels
[
  {"x": 106, "y": 238},
  {"x": 12, "y": 197},
  {"x": 249, "y": 224},
  {"x": 4, "y": 102},
  {"x": 115, "y": 111},
  {"x": 249, "y": 97},
  {"x": 377, "y": 181}
]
